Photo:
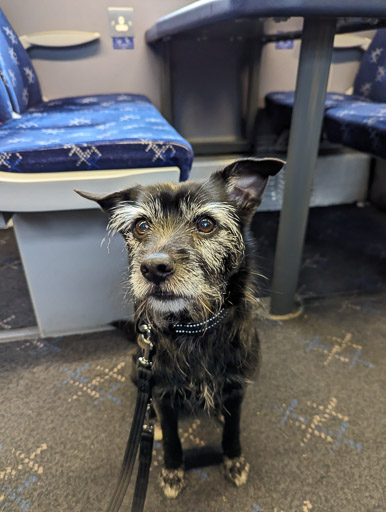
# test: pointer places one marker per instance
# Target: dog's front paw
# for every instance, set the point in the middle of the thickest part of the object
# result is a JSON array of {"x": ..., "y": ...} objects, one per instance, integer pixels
[
  {"x": 236, "y": 470},
  {"x": 172, "y": 481}
]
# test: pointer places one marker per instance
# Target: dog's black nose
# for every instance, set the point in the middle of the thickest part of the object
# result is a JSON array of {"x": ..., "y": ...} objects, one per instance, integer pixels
[{"x": 157, "y": 267}]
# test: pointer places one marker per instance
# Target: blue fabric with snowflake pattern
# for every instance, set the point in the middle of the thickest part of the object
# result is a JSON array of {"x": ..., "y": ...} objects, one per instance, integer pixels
[
  {"x": 16, "y": 70},
  {"x": 279, "y": 106},
  {"x": 109, "y": 131},
  {"x": 370, "y": 81},
  {"x": 359, "y": 125}
]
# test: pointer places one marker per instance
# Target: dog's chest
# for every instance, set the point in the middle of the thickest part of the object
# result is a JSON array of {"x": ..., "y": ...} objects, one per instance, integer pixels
[{"x": 199, "y": 370}]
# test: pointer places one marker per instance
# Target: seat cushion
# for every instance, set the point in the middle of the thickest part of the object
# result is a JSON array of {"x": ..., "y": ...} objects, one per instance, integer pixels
[
  {"x": 279, "y": 106},
  {"x": 115, "y": 131},
  {"x": 359, "y": 125},
  {"x": 16, "y": 70}
]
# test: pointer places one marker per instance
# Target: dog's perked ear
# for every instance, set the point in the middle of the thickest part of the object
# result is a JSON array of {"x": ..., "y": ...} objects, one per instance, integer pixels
[
  {"x": 246, "y": 179},
  {"x": 109, "y": 201}
]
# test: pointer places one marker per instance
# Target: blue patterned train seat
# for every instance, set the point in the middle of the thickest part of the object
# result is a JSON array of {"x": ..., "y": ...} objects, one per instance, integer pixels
[
  {"x": 99, "y": 132},
  {"x": 369, "y": 85},
  {"x": 279, "y": 106},
  {"x": 361, "y": 125},
  {"x": 120, "y": 131},
  {"x": 17, "y": 73}
]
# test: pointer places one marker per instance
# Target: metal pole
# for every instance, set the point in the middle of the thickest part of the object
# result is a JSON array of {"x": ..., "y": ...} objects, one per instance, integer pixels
[{"x": 307, "y": 116}]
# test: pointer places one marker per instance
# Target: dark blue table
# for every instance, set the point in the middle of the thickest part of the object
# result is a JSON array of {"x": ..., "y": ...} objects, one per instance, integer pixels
[{"x": 320, "y": 22}]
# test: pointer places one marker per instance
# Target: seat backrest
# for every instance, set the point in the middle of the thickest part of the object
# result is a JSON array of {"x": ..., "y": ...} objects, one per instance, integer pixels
[
  {"x": 370, "y": 81},
  {"x": 16, "y": 70}
]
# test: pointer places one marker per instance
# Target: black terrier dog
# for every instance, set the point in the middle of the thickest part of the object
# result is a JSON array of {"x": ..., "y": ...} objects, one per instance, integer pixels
[{"x": 191, "y": 275}]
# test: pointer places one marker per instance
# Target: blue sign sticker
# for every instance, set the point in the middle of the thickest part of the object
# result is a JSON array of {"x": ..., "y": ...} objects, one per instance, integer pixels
[
  {"x": 123, "y": 43},
  {"x": 284, "y": 45}
]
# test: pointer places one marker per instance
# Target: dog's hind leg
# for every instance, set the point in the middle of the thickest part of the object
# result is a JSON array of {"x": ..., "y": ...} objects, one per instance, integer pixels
[
  {"x": 172, "y": 477},
  {"x": 235, "y": 466}
]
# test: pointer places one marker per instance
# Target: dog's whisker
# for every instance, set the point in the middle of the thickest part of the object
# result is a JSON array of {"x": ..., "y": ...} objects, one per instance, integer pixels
[
  {"x": 206, "y": 307},
  {"x": 140, "y": 308}
]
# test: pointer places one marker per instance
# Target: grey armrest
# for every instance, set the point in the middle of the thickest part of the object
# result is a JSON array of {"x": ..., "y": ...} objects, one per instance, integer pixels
[{"x": 58, "y": 38}]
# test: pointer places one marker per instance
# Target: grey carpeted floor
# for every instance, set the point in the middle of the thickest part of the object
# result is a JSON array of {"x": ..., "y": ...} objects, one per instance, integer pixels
[{"x": 314, "y": 422}]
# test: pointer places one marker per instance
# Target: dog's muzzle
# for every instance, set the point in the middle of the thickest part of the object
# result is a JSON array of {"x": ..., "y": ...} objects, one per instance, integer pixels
[{"x": 157, "y": 267}]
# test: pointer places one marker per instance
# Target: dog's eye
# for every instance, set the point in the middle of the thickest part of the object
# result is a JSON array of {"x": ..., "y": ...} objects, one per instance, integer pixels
[
  {"x": 141, "y": 226},
  {"x": 205, "y": 225}
]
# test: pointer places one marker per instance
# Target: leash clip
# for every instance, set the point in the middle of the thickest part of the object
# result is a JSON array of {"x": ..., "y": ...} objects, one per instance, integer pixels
[{"x": 144, "y": 341}]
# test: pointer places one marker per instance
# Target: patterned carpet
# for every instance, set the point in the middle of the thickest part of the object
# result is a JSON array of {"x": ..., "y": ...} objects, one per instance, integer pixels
[{"x": 313, "y": 423}]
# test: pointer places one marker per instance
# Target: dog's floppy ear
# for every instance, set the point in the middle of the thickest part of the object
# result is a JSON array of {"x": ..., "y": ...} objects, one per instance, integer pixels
[
  {"x": 246, "y": 179},
  {"x": 110, "y": 201}
]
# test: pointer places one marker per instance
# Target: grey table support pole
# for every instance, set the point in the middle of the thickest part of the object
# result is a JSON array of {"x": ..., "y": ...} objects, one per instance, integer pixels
[{"x": 307, "y": 116}]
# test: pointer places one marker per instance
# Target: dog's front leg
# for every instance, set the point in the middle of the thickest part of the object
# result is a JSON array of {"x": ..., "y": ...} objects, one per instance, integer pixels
[
  {"x": 235, "y": 465},
  {"x": 172, "y": 479}
]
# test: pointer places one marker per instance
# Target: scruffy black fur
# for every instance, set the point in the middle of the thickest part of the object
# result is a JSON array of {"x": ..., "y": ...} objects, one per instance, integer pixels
[{"x": 191, "y": 255}]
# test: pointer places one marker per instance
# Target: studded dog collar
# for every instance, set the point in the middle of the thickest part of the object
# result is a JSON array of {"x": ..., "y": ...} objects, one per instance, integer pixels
[{"x": 200, "y": 327}]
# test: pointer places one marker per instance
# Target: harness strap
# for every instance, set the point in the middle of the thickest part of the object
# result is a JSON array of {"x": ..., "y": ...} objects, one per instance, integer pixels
[{"x": 143, "y": 399}]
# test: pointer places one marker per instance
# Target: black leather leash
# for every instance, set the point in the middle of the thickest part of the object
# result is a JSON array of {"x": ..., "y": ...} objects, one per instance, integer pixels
[{"x": 141, "y": 432}]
